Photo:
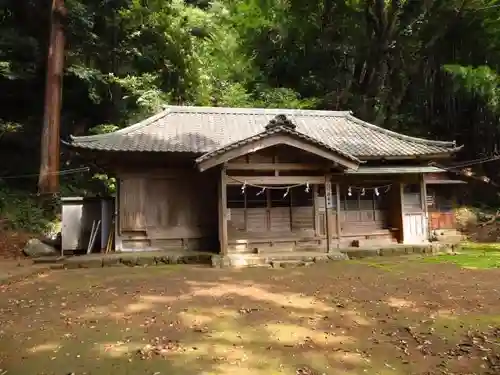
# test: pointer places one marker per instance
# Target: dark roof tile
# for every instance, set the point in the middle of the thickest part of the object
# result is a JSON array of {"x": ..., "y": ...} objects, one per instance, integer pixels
[{"x": 207, "y": 129}]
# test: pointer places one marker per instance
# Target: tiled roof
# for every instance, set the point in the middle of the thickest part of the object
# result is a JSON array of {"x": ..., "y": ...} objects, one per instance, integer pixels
[
  {"x": 270, "y": 132},
  {"x": 396, "y": 169},
  {"x": 207, "y": 129}
]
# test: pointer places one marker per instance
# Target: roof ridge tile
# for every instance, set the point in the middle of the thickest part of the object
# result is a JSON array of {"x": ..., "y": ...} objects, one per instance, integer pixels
[{"x": 255, "y": 111}]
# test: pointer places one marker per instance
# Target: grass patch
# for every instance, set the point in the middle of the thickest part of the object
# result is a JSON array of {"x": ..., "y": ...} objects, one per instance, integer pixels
[
  {"x": 481, "y": 246},
  {"x": 381, "y": 264},
  {"x": 453, "y": 327},
  {"x": 469, "y": 259}
]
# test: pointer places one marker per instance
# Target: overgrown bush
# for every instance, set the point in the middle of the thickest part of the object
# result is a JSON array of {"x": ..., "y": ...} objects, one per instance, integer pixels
[{"x": 21, "y": 211}]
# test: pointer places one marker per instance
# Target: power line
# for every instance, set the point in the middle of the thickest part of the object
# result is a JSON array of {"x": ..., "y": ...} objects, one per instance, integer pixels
[
  {"x": 476, "y": 161},
  {"x": 60, "y": 173},
  {"x": 465, "y": 173}
]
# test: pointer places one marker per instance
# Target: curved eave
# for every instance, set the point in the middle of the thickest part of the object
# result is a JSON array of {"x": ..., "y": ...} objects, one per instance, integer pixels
[
  {"x": 440, "y": 155},
  {"x": 77, "y": 146},
  {"x": 422, "y": 141},
  {"x": 123, "y": 131},
  {"x": 83, "y": 149},
  {"x": 91, "y": 146}
]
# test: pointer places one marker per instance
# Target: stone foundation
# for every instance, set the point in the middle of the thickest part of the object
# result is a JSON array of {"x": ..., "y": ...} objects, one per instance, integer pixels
[
  {"x": 430, "y": 249},
  {"x": 137, "y": 259},
  {"x": 278, "y": 259},
  {"x": 272, "y": 259}
]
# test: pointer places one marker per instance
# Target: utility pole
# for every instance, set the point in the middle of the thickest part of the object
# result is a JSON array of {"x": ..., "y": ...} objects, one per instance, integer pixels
[{"x": 48, "y": 181}]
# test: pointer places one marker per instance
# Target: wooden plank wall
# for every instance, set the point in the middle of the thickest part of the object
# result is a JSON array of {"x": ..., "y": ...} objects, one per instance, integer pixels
[
  {"x": 362, "y": 214},
  {"x": 270, "y": 214},
  {"x": 277, "y": 220},
  {"x": 395, "y": 217},
  {"x": 441, "y": 202},
  {"x": 302, "y": 220},
  {"x": 132, "y": 203},
  {"x": 293, "y": 219},
  {"x": 168, "y": 208}
]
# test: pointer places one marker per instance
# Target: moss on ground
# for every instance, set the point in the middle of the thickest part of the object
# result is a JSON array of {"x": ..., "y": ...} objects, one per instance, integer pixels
[{"x": 470, "y": 257}]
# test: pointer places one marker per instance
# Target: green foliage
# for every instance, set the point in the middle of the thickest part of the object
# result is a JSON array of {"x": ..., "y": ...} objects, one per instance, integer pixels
[
  {"x": 142, "y": 94},
  {"x": 9, "y": 127},
  {"x": 481, "y": 81},
  {"x": 427, "y": 68},
  {"x": 87, "y": 184},
  {"x": 109, "y": 183},
  {"x": 19, "y": 211},
  {"x": 283, "y": 98},
  {"x": 103, "y": 129},
  {"x": 474, "y": 259}
]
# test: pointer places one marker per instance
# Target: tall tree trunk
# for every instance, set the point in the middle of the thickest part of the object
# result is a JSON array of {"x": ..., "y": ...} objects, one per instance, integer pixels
[{"x": 48, "y": 181}]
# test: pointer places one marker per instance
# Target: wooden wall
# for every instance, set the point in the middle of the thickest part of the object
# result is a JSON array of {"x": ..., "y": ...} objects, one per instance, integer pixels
[
  {"x": 395, "y": 217},
  {"x": 253, "y": 215},
  {"x": 176, "y": 207},
  {"x": 261, "y": 216},
  {"x": 168, "y": 208},
  {"x": 270, "y": 218},
  {"x": 441, "y": 204},
  {"x": 363, "y": 212},
  {"x": 283, "y": 154}
]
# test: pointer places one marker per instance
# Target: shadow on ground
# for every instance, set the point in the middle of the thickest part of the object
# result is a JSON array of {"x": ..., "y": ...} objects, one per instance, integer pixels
[{"x": 339, "y": 318}]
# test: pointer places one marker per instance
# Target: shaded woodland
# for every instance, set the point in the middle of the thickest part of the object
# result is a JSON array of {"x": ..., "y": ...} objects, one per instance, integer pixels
[{"x": 423, "y": 67}]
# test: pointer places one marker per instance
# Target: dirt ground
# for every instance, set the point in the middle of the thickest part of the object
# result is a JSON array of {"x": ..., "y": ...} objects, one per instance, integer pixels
[
  {"x": 355, "y": 317},
  {"x": 488, "y": 233},
  {"x": 12, "y": 243}
]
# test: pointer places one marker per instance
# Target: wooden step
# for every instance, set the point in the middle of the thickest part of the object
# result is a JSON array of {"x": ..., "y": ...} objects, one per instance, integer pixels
[
  {"x": 305, "y": 256},
  {"x": 274, "y": 249},
  {"x": 288, "y": 249},
  {"x": 142, "y": 243}
]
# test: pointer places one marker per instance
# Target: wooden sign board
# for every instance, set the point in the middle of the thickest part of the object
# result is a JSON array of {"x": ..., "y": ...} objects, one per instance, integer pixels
[{"x": 328, "y": 195}]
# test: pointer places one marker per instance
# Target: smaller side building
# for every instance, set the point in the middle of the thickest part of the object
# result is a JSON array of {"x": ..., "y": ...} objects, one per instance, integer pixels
[{"x": 257, "y": 180}]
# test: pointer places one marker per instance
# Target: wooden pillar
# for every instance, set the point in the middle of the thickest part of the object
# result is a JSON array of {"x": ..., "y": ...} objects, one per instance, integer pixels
[
  {"x": 223, "y": 212},
  {"x": 317, "y": 230},
  {"x": 423, "y": 197},
  {"x": 328, "y": 211},
  {"x": 402, "y": 211},
  {"x": 106, "y": 218},
  {"x": 395, "y": 210},
  {"x": 118, "y": 239},
  {"x": 339, "y": 224}
]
